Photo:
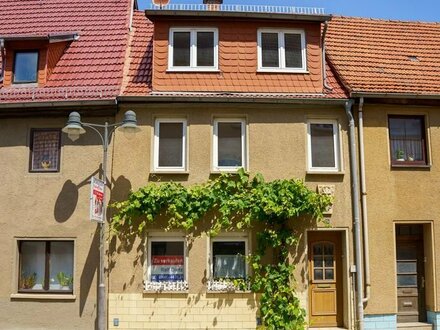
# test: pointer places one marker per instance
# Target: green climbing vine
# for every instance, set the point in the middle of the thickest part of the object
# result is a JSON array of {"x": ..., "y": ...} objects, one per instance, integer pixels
[{"x": 237, "y": 202}]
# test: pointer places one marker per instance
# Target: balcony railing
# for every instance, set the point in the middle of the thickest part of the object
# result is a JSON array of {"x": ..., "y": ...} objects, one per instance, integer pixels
[{"x": 241, "y": 8}]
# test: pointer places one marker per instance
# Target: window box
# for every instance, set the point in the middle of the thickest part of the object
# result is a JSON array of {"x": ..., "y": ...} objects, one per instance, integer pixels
[
  {"x": 25, "y": 67},
  {"x": 45, "y": 266},
  {"x": 281, "y": 51},
  {"x": 323, "y": 146},
  {"x": 228, "y": 263},
  {"x": 193, "y": 49},
  {"x": 170, "y": 145},
  {"x": 407, "y": 140},
  {"x": 229, "y": 144},
  {"x": 166, "y": 264},
  {"x": 45, "y": 150}
]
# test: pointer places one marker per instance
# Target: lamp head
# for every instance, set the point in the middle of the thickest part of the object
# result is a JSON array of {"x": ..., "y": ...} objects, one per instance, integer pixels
[
  {"x": 74, "y": 126},
  {"x": 129, "y": 124}
]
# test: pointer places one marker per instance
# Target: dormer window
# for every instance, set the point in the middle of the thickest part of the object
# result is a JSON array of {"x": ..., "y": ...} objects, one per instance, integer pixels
[
  {"x": 193, "y": 49},
  {"x": 25, "y": 67},
  {"x": 281, "y": 50}
]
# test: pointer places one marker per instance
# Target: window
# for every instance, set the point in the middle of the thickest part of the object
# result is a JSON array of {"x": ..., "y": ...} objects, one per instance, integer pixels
[
  {"x": 25, "y": 67},
  {"x": 407, "y": 140},
  {"x": 229, "y": 144},
  {"x": 323, "y": 145},
  {"x": 166, "y": 264},
  {"x": 46, "y": 266},
  {"x": 45, "y": 150},
  {"x": 281, "y": 50},
  {"x": 170, "y": 145},
  {"x": 323, "y": 261},
  {"x": 228, "y": 258},
  {"x": 193, "y": 49}
]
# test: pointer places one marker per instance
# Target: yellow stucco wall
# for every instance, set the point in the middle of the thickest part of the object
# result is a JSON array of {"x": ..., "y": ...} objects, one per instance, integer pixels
[
  {"x": 277, "y": 148},
  {"x": 398, "y": 196}
]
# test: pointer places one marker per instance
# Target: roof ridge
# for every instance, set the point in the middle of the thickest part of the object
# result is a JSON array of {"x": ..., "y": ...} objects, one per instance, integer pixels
[{"x": 384, "y": 19}]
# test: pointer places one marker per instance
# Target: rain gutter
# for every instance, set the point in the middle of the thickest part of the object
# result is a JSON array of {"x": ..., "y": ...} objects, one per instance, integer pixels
[
  {"x": 355, "y": 206},
  {"x": 364, "y": 203}
]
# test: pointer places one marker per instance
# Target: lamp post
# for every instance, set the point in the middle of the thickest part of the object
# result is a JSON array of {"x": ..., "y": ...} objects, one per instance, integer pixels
[{"x": 74, "y": 128}]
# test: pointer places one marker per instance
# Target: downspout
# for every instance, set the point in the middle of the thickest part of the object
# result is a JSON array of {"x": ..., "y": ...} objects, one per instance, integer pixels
[
  {"x": 364, "y": 203},
  {"x": 2, "y": 54},
  {"x": 355, "y": 206},
  {"x": 324, "y": 71}
]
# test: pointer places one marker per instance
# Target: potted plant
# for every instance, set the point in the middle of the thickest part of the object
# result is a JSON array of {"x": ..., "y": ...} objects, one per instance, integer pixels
[
  {"x": 65, "y": 281},
  {"x": 28, "y": 281},
  {"x": 400, "y": 155}
]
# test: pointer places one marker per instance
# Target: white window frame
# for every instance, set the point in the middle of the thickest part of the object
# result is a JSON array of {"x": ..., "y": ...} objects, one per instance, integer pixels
[
  {"x": 156, "y": 167},
  {"x": 193, "y": 50},
  {"x": 227, "y": 237},
  {"x": 171, "y": 237},
  {"x": 215, "y": 165},
  {"x": 281, "y": 51},
  {"x": 336, "y": 142}
]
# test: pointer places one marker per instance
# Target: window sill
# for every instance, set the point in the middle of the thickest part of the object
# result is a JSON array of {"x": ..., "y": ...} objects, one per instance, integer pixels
[
  {"x": 24, "y": 85},
  {"x": 325, "y": 172},
  {"x": 167, "y": 172},
  {"x": 415, "y": 166},
  {"x": 274, "y": 70},
  {"x": 37, "y": 296},
  {"x": 200, "y": 70},
  {"x": 236, "y": 291},
  {"x": 230, "y": 171},
  {"x": 184, "y": 292}
]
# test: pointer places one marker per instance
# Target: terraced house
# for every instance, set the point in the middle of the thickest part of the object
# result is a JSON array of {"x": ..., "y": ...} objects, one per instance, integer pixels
[{"x": 348, "y": 105}]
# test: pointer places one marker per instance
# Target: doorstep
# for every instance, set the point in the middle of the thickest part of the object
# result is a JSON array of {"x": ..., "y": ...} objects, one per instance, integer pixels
[
  {"x": 414, "y": 326},
  {"x": 328, "y": 328}
]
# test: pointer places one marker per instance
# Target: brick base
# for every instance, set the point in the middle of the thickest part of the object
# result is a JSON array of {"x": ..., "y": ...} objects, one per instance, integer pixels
[
  {"x": 434, "y": 319},
  {"x": 384, "y": 322}
]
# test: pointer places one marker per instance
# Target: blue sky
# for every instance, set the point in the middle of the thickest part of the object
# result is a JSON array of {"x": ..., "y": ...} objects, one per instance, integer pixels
[{"x": 419, "y": 10}]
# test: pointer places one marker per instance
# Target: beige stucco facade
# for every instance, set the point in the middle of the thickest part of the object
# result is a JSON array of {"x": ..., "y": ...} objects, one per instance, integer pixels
[
  {"x": 277, "y": 148},
  {"x": 400, "y": 196}
]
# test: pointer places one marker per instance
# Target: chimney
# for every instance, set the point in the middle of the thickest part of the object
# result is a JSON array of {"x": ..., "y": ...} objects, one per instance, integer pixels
[{"x": 213, "y": 2}]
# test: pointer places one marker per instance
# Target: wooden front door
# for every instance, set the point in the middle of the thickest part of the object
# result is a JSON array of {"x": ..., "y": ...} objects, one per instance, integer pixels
[
  {"x": 410, "y": 273},
  {"x": 325, "y": 279}
]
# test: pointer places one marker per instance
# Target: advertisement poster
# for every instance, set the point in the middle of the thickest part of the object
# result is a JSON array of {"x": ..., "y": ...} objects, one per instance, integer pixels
[
  {"x": 97, "y": 200},
  {"x": 167, "y": 268}
]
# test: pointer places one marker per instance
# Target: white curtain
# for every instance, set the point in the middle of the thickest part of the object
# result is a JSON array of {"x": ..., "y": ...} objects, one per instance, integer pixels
[{"x": 229, "y": 266}]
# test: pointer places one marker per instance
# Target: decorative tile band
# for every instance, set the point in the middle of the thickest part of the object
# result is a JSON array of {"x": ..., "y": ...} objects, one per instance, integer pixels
[
  {"x": 434, "y": 319},
  {"x": 381, "y": 321}
]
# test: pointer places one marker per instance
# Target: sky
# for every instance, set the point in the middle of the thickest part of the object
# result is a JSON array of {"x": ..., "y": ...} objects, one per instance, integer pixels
[{"x": 414, "y": 10}]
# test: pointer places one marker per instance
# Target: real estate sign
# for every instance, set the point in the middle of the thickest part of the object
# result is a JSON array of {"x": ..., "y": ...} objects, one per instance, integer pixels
[
  {"x": 167, "y": 268},
  {"x": 97, "y": 200}
]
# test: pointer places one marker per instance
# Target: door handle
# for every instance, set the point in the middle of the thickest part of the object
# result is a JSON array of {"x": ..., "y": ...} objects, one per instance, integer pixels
[{"x": 423, "y": 282}]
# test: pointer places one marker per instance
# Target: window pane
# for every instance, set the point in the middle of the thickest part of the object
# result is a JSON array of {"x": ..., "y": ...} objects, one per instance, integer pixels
[
  {"x": 167, "y": 261},
  {"x": 323, "y": 145},
  {"x": 292, "y": 46},
  {"x": 407, "y": 267},
  {"x": 61, "y": 266},
  {"x": 229, "y": 144},
  {"x": 317, "y": 249},
  {"x": 33, "y": 260},
  {"x": 171, "y": 144},
  {"x": 25, "y": 67},
  {"x": 229, "y": 259},
  {"x": 45, "y": 150},
  {"x": 407, "y": 280},
  {"x": 329, "y": 274},
  {"x": 328, "y": 261},
  {"x": 318, "y": 274},
  {"x": 407, "y": 138},
  {"x": 317, "y": 261},
  {"x": 205, "y": 48},
  {"x": 269, "y": 50},
  {"x": 181, "y": 49}
]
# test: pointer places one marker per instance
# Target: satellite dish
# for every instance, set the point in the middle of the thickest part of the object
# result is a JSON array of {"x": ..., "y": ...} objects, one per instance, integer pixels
[{"x": 160, "y": 3}]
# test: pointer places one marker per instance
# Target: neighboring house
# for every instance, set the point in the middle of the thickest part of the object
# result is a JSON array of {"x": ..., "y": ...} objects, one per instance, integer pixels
[
  {"x": 392, "y": 70},
  {"x": 57, "y": 56},
  {"x": 215, "y": 90}
]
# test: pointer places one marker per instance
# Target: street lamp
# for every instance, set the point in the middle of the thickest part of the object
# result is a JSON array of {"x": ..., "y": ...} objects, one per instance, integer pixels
[{"x": 74, "y": 128}]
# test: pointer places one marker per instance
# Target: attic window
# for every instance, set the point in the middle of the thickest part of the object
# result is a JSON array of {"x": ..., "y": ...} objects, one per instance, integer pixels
[
  {"x": 25, "y": 67},
  {"x": 281, "y": 50}
]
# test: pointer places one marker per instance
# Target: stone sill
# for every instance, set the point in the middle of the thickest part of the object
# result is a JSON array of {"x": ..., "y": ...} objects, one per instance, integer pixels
[
  {"x": 165, "y": 292},
  {"x": 325, "y": 172},
  {"x": 36, "y": 296}
]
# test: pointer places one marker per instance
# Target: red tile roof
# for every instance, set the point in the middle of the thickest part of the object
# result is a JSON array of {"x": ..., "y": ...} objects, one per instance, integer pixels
[
  {"x": 93, "y": 63},
  {"x": 380, "y": 56},
  {"x": 140, "y": 72}
]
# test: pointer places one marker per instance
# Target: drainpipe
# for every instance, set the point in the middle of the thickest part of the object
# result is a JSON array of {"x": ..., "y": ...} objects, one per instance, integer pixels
[
  {"x": 364, "y": 203},
  {"x": 355, "y": 205},
  {"x": 324, "y": 71}
]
